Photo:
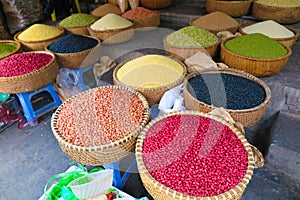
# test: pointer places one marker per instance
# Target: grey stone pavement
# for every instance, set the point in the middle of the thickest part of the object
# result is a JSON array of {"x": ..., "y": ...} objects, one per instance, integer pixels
[{"x": 30, "y": 157}]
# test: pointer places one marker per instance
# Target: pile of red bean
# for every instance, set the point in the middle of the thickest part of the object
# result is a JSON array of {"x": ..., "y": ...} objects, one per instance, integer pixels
[
  {"x": 23, "y": 63},
  {"x": 194, "y": 155},
  {"x": 100, "y": 116}
]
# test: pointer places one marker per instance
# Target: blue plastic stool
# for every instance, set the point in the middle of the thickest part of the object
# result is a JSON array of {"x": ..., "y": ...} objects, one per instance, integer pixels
[{"x": 25, "y": 100}]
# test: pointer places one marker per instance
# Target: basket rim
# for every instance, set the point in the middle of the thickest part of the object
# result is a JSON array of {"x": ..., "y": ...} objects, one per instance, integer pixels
[
  {"x": 23, "y": 76},
  {"x": 236, "y": 73},
  {"x": 38, "y": 41},
  {"x": 133, "y": 133},
  {"x": 233, "y": 191},
  {"x": 191, "y": 47},
  {"x": 72, "y": 27},
  {"x": 274, "y": 7},
  {"x": 232, "y": 2},
  {"x": 111, "y": 30},
  {"x": 289, "y": 53},
  {"x": 77, "y": 53},
  {"x": 170, "y": 85},
  {"x": 237, "y": 26},
  {"x": 295, "y": 31},
  {"x": 15, "y": 51}
]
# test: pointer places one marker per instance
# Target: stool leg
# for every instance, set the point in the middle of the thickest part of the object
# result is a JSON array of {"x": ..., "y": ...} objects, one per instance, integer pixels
[
  {"x": 54, "y": 94},
  {"x": 27, "y": 106}
]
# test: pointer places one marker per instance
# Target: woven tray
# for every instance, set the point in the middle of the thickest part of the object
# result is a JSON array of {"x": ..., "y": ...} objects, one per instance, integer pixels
[
  {"x": 113, "y": 36},
  {"x": 153, "y": 95},
  {"x": 37, "y": 45},
  {"x": 161, "y": 192},
  {"x": 106, "y": 153},
  {"x": 256, "y": 66},
  {"x": 79, "y": 59},
  {"x": 232, "y": 8},
  {"x": 283, "y": 15},
  {"x": 30, "y": 81},
  {"x": 17, "y": 50},
  {"x": 246, "y": 117},
  {"x": 182, "y": 53},
  {"x": 288, "y": 42},
  {"x": 155, "y": 4}
]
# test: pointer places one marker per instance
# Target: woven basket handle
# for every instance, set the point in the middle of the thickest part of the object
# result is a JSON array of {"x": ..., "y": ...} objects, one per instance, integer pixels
[{"x": 259, "y": 160}]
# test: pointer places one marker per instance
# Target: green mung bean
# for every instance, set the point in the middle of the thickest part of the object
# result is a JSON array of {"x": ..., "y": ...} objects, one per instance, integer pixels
[
  {"x": 192, "y": 36},
  {"x": 78, "y": 19},
  {"x": 256, "y": 45},
  {"x": 7, "y": 48}
]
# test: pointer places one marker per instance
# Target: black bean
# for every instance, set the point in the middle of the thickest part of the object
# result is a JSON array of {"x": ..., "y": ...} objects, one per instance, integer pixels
[
  {"x": 72, "y": 43},
  {"x": 226, "y": 90}
]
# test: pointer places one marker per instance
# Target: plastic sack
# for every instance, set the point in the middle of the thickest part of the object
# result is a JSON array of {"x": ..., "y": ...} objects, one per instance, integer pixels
[
  {"x": 123, "y": 4},
  {"x": 200, "y": 62},
  {"x": 171, "y": 101},
  {"x": 134, "y": 3}
]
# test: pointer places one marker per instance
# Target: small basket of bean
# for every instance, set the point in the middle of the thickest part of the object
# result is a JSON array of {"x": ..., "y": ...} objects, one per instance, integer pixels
[
  {"x": 100, "y": 125},
  {"x": 9, "y": 47},
  {"x": 151, "y": 75},
  {"x": 286, "y": 35},
  {"x": 255, "y": 53},
  {"x": 75, "y": 51},
  {"x": 26, "y": 72},
  {"x": 38, "y": 36},
  {"x": 234, "y": 8},
  {"x": 189, "y": 40},
  {"x": 281, "y": 11},
  {"x": 244, "y": 96},
  {"x": 77, "y": 23},
  {"x": 192, "y": 155}
]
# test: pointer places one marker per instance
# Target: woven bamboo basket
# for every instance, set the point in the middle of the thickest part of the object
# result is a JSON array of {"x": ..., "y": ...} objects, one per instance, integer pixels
[
  {"x": 146, "y": 24},
  {"x": 153, "y": 95},
  {"x": 113, "y": 36},
  {"x": 106, "y": 153},
  {"x": 30, "y": 81},
  {"x": 232, "y": 8},
  {"x": 160, "y": 192},
  {"x": 256, "y": 66},
  {"x": 246, "y": 117},
  {"x": 182, "y": 53},
  {"x": 17, "y": 50},
  {"x": 78, "y": 59},
  {"x": 283, "y": 15},
  {"x": 288, "y": 42},
  {"x": 37, "y": 45},
  {"x": 155, "y": 4},
  {"x": 79, "y": 30},
  {"x": 232, "y": 29}
]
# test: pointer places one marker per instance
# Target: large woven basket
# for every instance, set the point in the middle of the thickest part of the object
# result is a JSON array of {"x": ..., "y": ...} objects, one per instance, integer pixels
[
  {"x": 288, "y": 42},
  {"x": 37, "y": 45},
  {"x": 30, "y": 81},
  {"x": 17, "y": 50},
  {"x": 256, "y": 66},
  {"x": 106, "y": 153},
  {"x": 283, "y": 15},
  {"x": 113, "y": 36},
  {"x": 246, "y": 117},
  {"x": 153, "y": 95},
  {"x": 181, "y": 53},
  {"x": 155, "y": 4},
  {"x": 232, "y": 8},
  {"x": 160, "y": 192},
  {"x": 79, "y": 59}
]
